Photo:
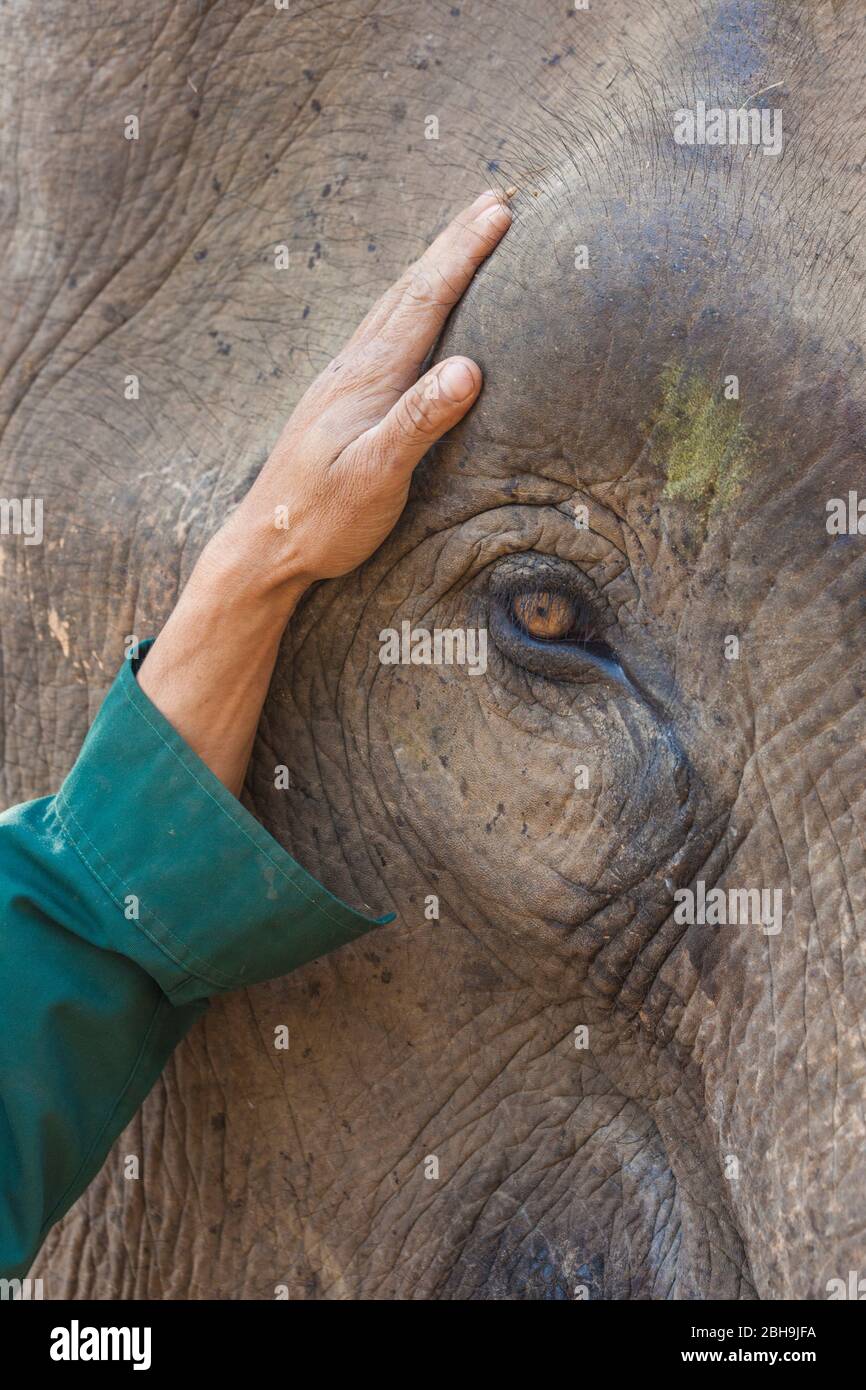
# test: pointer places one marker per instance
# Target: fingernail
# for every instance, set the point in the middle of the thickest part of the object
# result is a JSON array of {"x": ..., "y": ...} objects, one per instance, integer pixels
[
  {"x": 456, "y": 381},
  {"x": 498, "y": 217},
  {"x": 483, "y": 200}
]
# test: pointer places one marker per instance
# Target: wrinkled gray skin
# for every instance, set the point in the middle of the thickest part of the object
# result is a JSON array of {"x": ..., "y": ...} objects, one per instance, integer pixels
[{"x": 559, "y": 1168}]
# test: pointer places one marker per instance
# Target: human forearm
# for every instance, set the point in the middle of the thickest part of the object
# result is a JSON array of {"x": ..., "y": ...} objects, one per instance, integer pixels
[{"x": 210, "y": 668}]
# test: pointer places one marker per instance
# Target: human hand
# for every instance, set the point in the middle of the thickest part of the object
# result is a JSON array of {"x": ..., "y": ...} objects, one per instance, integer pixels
[{"x": 338, "y": 478}]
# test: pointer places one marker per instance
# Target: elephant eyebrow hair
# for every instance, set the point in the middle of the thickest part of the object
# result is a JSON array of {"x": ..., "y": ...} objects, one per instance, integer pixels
[{"x": 604, "y": 149}]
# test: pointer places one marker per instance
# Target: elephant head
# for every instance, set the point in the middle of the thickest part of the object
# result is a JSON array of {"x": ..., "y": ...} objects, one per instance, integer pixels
[{"x": 613, "y": 1044}]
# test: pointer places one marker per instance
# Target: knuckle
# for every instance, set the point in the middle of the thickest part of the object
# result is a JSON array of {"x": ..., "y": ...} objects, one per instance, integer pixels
[
  {"x": 421, "y": 288},
  {"x": 373, "y": 359},
  {"x": 357, "y": 370},
  {"x": 329, "y": 380},
  {"x": 335, "y": 366},
  {"x": 416, "y": 414}
]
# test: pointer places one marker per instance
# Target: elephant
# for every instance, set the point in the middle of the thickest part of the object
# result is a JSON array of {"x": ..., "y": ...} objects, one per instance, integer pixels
[{"x": 612, "y": 1047}]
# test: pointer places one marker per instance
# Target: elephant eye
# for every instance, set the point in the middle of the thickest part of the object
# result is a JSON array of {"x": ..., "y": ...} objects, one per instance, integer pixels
[
  {"x": 546, "y": 617},
  {"x": 549, "y": 616}
]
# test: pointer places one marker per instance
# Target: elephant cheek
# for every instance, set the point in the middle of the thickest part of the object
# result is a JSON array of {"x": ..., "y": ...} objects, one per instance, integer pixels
[{"x": 560, "y": 832}]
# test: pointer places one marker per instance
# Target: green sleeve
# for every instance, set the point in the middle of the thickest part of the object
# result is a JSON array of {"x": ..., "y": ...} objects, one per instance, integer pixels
[{"x": 126, "y": 900}]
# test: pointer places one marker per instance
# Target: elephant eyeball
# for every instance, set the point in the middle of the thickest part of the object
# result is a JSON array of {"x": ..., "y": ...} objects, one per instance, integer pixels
[{"x": 547, "y": 616}]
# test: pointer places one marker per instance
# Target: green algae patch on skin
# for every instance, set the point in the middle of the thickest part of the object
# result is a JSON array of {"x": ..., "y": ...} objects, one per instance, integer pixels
[{"x": 706, "y": 448}]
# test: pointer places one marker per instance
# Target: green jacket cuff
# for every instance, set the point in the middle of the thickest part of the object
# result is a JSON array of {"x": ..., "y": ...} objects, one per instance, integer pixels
[{"x": 206, "y": 900}]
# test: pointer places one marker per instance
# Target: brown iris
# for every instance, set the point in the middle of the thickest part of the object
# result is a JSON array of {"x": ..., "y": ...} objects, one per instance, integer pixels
[{"x": 547, "y": 616}]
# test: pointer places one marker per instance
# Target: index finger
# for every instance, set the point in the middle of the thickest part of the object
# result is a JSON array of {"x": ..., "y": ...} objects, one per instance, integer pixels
[{"x": 412, "y": 313}]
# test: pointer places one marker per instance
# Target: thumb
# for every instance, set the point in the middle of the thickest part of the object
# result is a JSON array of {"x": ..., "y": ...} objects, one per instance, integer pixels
[{"x": 436, "y": 402}]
